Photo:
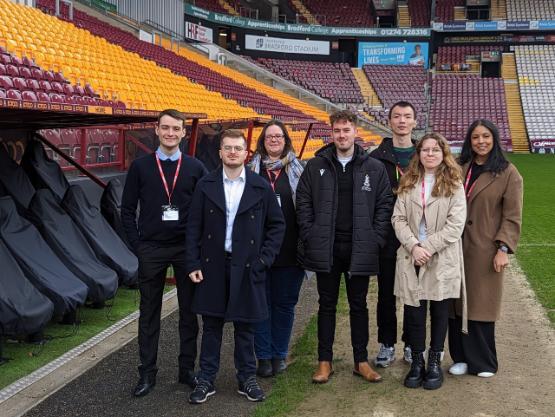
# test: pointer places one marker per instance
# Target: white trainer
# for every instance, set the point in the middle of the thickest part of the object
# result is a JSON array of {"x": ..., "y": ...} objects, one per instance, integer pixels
[
  {"x": 486, "y": 374},
  {"x": 459, "y": 368},
  {"x": 407, "y": 354},
  {"x": 386, "y": 356}
]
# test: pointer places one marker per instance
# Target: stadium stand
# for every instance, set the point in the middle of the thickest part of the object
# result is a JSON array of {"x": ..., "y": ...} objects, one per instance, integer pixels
[
  {"x": 519, "y": 137},
  {"x": 393, "y": 83},
  {"x": 445, "y": 9},
  {"x": 420, "y": 12},
  {"x": 536, "y": 69},
  {"x": 333, "y": 81},
  {"x": 458, "y": 100},
  {"x": 219, "y": 6},
  {"x": 530, "y": 10},
  {"x": 355, "y": 13},
  {"x": 453, "y": 56}
]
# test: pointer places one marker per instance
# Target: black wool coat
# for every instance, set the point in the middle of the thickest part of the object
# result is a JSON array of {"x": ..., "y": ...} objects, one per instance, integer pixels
[
  {"x": 257, "y": 236},
  {"x": 317, "y": 196}
]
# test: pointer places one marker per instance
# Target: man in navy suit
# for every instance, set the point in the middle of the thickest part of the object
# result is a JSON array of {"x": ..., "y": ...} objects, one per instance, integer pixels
[{"x": 234, "y": 231}]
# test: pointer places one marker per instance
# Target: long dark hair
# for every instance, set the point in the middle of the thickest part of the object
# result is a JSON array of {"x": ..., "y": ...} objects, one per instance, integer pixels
[
  {"x": 496, "y": 162},
  {"x": 261, "y": 150}
]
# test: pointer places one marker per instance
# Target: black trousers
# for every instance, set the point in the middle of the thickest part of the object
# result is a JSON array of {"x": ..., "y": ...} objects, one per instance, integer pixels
[
  {"x": 153, "y": 264},
  {"x": 386, "y": 309},
  {"x": 328, "y": 291},
  {"x": 415, "y": 325},
  {"x": 212, "y": 330},
  {"x": 477, "y": 348}
]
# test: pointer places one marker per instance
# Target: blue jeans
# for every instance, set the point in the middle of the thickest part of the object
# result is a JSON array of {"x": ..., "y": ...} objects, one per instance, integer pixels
[{"x": 271, "y": 337}]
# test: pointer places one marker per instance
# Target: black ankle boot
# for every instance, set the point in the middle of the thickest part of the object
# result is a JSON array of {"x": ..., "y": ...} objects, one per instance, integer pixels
[
  {"x": 417, "y": 370},
  {"x": 434, "y": 375}
]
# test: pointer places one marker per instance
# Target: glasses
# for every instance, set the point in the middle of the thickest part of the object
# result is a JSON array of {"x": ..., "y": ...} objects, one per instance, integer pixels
[
  {"x": 428, "y": 150},
  {"x": 277, "y": 137},
  {"x": 228, "y": 148}
]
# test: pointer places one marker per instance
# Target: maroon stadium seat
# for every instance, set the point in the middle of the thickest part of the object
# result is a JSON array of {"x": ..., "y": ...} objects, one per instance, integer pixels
[
  {"x": 29, "y": 96},
  {"x": 19, "y": 83},
  {"x": 12, "y": 70},
  {"x": 13, "y": 94},
  {"x": 6, "y": 82},
  {"x": 25, "y": 72},
  {"x": 38, "y": 74},
  {"x": 43, "y": 97}
]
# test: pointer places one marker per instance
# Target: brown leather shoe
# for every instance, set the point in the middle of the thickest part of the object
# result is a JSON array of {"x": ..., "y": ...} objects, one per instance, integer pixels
[
  {"x": 365, "y": 371},
  {"x": 323, "y": 373}
]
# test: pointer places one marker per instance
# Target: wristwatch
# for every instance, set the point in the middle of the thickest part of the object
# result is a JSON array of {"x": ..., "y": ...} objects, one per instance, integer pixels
[{"x": 502, "y": 247}]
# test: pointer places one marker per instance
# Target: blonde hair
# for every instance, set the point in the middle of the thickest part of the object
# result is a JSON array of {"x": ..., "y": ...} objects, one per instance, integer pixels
[{"x": 448, "y": 173}]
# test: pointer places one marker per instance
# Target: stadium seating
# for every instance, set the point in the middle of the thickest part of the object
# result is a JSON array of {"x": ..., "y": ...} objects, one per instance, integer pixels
[
  {"x": 419, "y": 11},
  {"x": 332, "y": 81},
  {"x": 458, "y": 54},
  {"x": 393, "y": 83},
  {"x": 354, "y": 13},
  {"x": 458, "y": 100},
  {"x": 445, "y": 9},
  {"x": 530, "y": 10},
  {"x": 536, "y": 76}
]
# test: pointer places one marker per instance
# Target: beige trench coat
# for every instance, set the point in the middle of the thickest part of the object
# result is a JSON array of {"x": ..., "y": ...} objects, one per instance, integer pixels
[
  {"x": 494, "y": 214},
  {"x": 443, "y": 276}
]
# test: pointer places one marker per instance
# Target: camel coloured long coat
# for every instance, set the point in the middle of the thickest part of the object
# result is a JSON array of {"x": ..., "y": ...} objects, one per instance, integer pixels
[{"x": 494, "y": 213}]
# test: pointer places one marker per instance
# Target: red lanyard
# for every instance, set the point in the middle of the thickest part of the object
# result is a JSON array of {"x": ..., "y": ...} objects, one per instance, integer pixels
[
  {"x": 423, "y": 196},
  {"x": 164, "y": 177},
  {"x": 468, "y": 175},
  {"x": 273, "y": 182},
  {"x": 398, "y": 172}
]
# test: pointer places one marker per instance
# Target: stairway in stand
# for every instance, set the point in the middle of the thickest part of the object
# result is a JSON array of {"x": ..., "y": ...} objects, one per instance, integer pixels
[
  {"x": 368, "y": 92},
  {"x": 498, "y": 10},
  {"x": 303, "y": 11},
  {"x": 514, "y": 105},
  {"x": 403, "y": 16},
  {"x": 459, "y": 12}
]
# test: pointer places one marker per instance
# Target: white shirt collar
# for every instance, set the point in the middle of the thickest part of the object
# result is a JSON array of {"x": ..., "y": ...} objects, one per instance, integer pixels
[
  {"x": 163, "y": 157},
  {"x": 241, "y": 177}
]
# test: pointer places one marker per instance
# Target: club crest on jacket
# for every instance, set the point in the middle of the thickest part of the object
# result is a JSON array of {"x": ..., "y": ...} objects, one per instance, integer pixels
[{"x": 366, "y": 185}]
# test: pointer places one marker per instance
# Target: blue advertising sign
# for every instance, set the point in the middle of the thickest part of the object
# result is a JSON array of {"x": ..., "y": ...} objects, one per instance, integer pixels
[
  {"x": 524, "y": 24},
  {"x": 393, "y": 53},
  {"x": 546, "y": 24},
  {"x": 485, "y": 25}
]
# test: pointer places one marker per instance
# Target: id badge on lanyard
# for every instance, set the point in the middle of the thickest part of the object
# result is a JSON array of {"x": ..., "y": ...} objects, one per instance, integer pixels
[
  {"x": 170, "y": 212},
  {"x": 273, "y": 184}
]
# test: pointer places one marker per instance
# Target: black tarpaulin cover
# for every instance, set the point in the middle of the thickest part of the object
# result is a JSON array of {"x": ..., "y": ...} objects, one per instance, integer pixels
[
  {"x": 67, "y": 241},
  {"x": 110, "y": 207},
  {"x": 42, "y": 171},
  {"x": 105, "y": 242},
  {"x": 38, "y": 262},
  {"x": 15, "y": 181},
  {"x": 23, "y": 309}
]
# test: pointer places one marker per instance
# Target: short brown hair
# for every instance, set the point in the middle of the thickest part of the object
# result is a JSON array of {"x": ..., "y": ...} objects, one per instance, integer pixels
[
  {"x": 345, "y": 115},
  {"x": 174, "y": 114},
  {"x": 233, "y": 134}
]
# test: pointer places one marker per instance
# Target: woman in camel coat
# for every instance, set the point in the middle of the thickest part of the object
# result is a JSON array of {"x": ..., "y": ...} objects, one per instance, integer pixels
[{"x": 493, "y": 188}]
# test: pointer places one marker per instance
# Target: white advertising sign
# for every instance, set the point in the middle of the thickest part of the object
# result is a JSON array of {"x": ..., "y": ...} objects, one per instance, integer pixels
[
  {"x": 288, "y": 46},
  {"x": 198, "y": 33}
]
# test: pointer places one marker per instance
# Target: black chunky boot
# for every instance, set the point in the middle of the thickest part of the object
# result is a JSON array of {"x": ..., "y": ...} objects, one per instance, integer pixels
[
  {"x": 434, "y": 374},
  {"x": 417, "y": 371}
]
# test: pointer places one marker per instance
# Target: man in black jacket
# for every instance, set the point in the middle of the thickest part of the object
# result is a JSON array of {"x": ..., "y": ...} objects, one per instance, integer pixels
[
  {"x": 395, "y": 153},
  {"x": 344, "y": 207},
  {"x": 162, "y": 184}
]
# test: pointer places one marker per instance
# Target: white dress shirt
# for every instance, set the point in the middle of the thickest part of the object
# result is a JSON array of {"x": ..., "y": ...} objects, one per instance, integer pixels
[{"x": 233, "y": 190}]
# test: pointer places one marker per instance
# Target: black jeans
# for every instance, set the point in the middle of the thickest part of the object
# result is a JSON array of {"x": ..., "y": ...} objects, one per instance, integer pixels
[
  {"x": 415, "y": 325},
  {"x": 328, "y": 291},
  {"x": 212, "y": 329},
  {"x": 153, "y": 264},
  {"x": 386, "y": 309}
]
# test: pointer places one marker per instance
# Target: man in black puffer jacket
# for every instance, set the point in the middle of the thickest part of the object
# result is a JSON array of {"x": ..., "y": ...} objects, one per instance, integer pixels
[{"x": 344, "y": 207}]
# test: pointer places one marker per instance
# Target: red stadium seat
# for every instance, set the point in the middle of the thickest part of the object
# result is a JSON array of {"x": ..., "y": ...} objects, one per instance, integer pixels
[
  {"x": 25, "y": 72},
  {"x": 68, "y": 90},
  {"x": 57, "y": 87},
  {"x": 13, "y": 94},
  {"x": 33, "y": 84},
  {"x": 45, "y": 85},
  {"x": 5, "y": 58},
  {"x": 3, "y": 69},
  {"x": 37, "y": 73},
  {"x": 29, "y": 96},
  {"x": 12, "y": 70},
  {"x": 20, "y": 84},
  {"x": 6, "y": 82},
  {"x": 43, "y": 97},
  {"x": 2, "y": 93}
]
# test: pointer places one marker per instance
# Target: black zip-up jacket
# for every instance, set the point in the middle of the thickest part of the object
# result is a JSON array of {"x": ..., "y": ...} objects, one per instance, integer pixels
[
  {"x": 317, "y": 210},
  {"x": 385, "y": 154}
]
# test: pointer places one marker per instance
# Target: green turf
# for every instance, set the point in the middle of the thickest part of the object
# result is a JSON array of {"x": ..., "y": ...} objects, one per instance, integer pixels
[
  {"x": 26, "y": 358},
  {"x": 536, "y": 251}
]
